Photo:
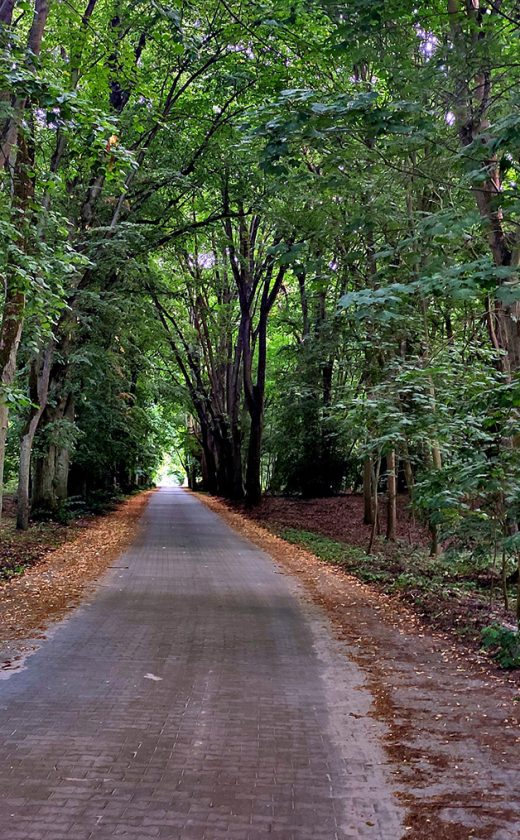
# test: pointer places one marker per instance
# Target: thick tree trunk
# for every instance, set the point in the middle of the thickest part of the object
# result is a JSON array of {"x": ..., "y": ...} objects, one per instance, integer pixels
[
  {"x": 254, "y": 457},
  {"x": 435, "y": 549},
  {"x": 38, "y": 389},
  {"x": 229, "y": 461},
  {"x": 436, "y": 457},
  {"x": 61, "y": 476},
  {"x": 43, "y": 489},
  {"x": 208, "y": 461},
  {"x": 6, "y": 11},
  {"x": 191, "y": 476},
  {"x": 51, "y": 469},
  {"x": 257, "y": 293},
  {"x": 61, "y": 473},
  {"x": 237, "y": 478},
  {"x": 24, "y": 472}
]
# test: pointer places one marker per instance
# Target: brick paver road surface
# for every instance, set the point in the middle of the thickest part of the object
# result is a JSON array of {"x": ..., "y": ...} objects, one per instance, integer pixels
[{"x": 197, "y": 694}]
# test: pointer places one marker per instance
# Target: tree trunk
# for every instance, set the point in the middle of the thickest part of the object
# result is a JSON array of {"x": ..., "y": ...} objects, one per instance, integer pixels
[
  {"x": 434, "y": 540},
  {"x": 24, "y": 471},
  {"x": 391, "y": 515},
  {"x": 51, "y": 469},
  {"x": 256, "y": 294},
  {"x": 237, "y": 480},
  {"x": 368, "y": 502},
  {"x": 229, "y": 460},
  {"x": 61, "y": 475},
  {"x": 38, "y": 389},
  {"x": 43, "y": 491},
  {"x": 208, "y": 461},
  {"x": 408, "y": 470},
  {"x": 254, "y": 456},
  {"x": 375, "y": 506}
]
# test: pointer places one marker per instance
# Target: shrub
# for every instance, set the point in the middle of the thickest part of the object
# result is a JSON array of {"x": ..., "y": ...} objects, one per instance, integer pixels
[{"x": 503, "y": 645}]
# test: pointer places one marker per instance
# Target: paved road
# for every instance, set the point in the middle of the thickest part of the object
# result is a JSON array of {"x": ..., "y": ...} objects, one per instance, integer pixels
[{"x": 196, "y": 694}]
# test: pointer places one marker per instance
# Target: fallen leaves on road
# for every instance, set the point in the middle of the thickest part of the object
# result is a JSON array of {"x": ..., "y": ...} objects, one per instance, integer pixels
[{"x": 52, "y": 586}]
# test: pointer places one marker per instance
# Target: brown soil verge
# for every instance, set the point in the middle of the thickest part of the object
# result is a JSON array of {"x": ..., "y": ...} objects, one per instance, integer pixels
[
  {"x": 338, "y": 517},
  {"x": 57, "y": 582},
  {"x": 446, "y": 600},
  {"x": 453, "y": 727}
]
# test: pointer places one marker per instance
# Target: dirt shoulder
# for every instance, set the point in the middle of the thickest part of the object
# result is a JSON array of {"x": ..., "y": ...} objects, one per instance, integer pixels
[
  {"x": 58, "y": 577},
  {"x": 452, "y": 723},
  {"x": 452, "y": 593}
]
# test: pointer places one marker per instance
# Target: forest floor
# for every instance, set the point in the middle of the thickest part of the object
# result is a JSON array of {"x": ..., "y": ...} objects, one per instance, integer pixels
[
  {"x": 453, "y": 720},
  {"x": 450, "y": 593},
  {"x": 45, "y": 571}
]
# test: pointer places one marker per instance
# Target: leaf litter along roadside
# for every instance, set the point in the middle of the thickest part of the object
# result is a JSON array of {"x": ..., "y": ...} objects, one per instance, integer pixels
[
  {"x": 453, "y": 724},
  {"x": 446, "y": 592},
  {"x": 58, "y": 580}
]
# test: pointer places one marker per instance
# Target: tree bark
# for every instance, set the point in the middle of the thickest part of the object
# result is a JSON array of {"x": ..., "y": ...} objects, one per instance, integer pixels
[
  {"x": 38, "y": 389},
  {"x": 254, "y": 455},
  {"x": 51, "y": 468},
  {"x": 391, "y": 514},
  {"x": 61, "y": 474},
  {"x": 375, "y": 505},
  {"x": 408, "y": 472},
  {"x": 368, "y": 502},
  {"x": 254, "y": 391},
  {"x": 43, "y": 489}
]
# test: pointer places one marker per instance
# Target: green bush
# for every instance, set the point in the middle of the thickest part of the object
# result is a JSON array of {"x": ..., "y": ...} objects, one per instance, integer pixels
[{"x": 503, "y": 645}]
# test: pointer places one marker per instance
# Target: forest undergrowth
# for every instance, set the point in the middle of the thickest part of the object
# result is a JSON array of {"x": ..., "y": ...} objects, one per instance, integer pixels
[
  {"x": 21, "y": 550},
  {"x": 447, "y": 592}
]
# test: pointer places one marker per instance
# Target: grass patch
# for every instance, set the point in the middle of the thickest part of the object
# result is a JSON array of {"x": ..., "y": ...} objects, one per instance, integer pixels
[
  {"x": 8, "y": 572},
  {"x": 397, "y": 568},
  {"x": 349, "y": 557}
]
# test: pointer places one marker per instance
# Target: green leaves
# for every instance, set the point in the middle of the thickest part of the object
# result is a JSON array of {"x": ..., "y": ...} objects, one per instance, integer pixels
[
  {"x": 287, "y": 255},
  {"x": 503, "y": 644}
]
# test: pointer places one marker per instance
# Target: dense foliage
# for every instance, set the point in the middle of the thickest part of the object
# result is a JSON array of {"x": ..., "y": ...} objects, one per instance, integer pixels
[{"x": 280, "y": 239}]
